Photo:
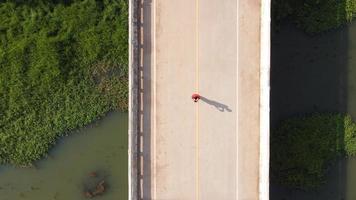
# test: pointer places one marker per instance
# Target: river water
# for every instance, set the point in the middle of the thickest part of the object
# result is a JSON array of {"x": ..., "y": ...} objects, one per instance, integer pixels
[
  {"x": 76, "y": 163},
  {"x": 315, "y": 74}
]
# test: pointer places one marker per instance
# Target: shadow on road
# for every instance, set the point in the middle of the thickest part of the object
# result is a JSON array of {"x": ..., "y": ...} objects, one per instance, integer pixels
[
  {"x": 221, "y": 107},
  {"x": 145, "y": 85}
]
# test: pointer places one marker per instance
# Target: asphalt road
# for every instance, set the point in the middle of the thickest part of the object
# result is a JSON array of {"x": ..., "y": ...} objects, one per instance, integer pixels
[{"x": 205, "y": 150}]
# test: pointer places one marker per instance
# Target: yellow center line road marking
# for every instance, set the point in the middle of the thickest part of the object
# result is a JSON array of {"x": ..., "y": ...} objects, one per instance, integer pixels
[
  {"x": 197, "y": 153},
  {"x": 237, "y": 105},
  {"x": 197, "y": 193}
]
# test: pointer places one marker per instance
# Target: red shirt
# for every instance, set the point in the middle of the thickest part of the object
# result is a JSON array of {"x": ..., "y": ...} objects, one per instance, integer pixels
[{"x": 195, "y": 96}]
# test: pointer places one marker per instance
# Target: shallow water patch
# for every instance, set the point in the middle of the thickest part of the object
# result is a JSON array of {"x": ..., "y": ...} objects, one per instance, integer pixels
[{"x": 67, "y": 172}]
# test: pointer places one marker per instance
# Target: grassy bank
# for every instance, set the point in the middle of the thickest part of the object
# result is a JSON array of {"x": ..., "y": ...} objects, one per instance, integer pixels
[
  {"x": 302, "y": 148},
  {"x": 314, "y": 16},
  {"x": 63, "y": 64}
]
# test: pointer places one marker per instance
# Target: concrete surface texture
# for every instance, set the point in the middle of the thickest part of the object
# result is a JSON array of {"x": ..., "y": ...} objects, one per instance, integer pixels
[{"x": 210, "y": 149}]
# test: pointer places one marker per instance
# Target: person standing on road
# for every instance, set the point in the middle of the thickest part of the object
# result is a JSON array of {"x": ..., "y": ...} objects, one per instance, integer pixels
[{"x": 195, "y": 97}]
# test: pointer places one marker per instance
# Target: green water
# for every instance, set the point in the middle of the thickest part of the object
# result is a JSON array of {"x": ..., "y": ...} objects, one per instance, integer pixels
[{"x": 100, "y": 148}]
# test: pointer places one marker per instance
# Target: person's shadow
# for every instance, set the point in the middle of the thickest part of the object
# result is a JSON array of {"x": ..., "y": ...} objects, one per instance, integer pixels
[{"x": 221, "y": 107}]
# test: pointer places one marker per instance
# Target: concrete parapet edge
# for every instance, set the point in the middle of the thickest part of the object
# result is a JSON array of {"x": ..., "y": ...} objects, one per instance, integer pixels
[
  {"x": 265, "y": 46},
  {"x": 133, "y": 149}
]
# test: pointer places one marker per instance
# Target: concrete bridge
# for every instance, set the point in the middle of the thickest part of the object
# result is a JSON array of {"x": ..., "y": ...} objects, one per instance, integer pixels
[{"x": 217, "y": 148}]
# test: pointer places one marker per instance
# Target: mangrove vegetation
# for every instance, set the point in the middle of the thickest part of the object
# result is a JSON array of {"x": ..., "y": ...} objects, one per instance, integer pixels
[
  {"x": 314, "y": 16},
  {"x": 63, "y": 64},
  {"x": 304, "y": 147}
]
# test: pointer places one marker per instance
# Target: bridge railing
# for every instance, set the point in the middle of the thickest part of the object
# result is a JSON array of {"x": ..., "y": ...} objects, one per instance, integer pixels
[{"x": 134, "y": 57}]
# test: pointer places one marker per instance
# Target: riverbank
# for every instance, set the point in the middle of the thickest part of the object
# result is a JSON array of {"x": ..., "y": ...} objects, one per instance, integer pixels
[
  {"x": 63, "y": 64},
  {"x": 67, "y": 172}
]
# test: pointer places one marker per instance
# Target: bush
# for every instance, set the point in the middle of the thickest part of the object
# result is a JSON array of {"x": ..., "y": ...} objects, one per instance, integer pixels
[
  {"x": 315, "y": 16},
  {"x": 63, "y": 64},
  {"x": 302, "y": 148}
]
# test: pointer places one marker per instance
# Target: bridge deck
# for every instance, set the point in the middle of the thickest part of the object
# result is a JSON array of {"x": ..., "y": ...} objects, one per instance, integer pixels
[{"x": 210, "y": 149}]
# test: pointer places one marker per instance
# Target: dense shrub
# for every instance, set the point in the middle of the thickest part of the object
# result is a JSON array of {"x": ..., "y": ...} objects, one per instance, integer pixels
[
  {"x": 63, "y": 64},
  {"x": 315, "y": 16},
  {"x": 302, "y": 148}
]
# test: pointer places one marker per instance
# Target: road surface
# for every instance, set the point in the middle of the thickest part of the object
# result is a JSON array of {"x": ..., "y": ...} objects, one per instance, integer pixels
[{"x": 210, "y": 149}]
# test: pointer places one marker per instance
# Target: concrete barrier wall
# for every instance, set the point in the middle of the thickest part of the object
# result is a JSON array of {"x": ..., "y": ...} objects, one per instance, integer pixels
[
  {"x": 253, "y": 99},
  {"x": 133, "y": 98},
  {"x": 265, "y": 49}
]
